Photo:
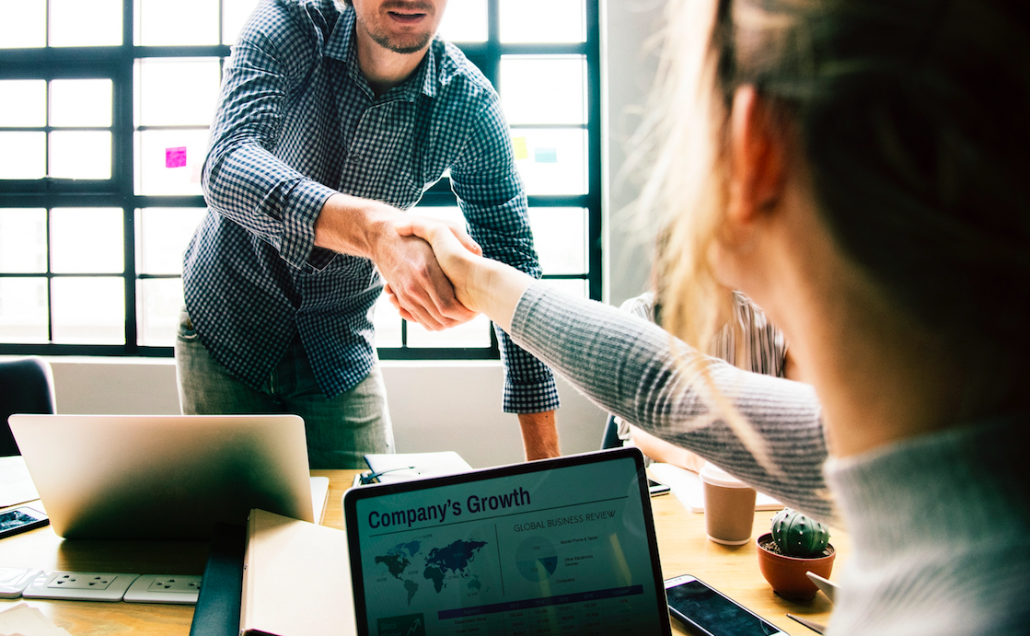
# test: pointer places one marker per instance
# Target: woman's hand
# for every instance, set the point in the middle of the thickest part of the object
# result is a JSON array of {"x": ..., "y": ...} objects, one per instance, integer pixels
[
  {"x": 455, "y": 251},
  {"x": 480, "y": 284}
]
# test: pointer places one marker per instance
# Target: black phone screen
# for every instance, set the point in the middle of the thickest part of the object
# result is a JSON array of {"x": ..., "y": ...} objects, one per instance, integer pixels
[
  {"x": 715, "y": 613},
  {"x": 15, "y": 520}
]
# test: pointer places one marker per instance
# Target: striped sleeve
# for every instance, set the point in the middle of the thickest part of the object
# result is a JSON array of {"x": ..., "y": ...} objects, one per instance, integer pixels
[{"x": 629, "y": 367}]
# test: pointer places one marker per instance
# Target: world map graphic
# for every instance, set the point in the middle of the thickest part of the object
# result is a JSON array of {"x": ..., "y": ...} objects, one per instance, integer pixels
[{"x": 435, "y": 566}]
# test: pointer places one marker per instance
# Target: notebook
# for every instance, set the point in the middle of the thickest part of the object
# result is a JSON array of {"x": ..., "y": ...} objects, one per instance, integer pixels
[
  {"x": 163, "y": 477},
  {"x": 566, "y": 543},
  {"x": 392, "y": 467}
]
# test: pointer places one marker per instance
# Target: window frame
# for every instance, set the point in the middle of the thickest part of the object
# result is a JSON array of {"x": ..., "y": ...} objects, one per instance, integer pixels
[{"x": 117, "y": 63}]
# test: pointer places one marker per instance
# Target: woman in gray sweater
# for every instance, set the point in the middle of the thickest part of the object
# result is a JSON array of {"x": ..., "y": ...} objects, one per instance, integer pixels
[{"x": 857, "y": 169}]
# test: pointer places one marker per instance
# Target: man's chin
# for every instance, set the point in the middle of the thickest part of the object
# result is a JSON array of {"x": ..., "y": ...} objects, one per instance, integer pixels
[{"x": 404, "y": 46}]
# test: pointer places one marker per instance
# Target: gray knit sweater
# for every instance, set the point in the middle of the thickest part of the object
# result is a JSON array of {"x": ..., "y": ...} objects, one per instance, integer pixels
[{"x": 940, "y": 525}]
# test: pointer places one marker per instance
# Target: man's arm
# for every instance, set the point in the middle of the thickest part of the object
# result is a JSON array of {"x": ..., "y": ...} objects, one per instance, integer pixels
[
  {"x": 245, "y": 181},
  {"x": 490, "y": 193},
  {"x": 539, "y": 435},
  {"x": 351, "y": 225}
]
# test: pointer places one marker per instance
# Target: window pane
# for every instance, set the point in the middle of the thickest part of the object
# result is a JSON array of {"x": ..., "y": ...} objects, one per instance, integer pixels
[
  {"x": 23, "y": 310},
  {"x": 543, "y": 89},
  {"x": 234, "y": 16},
  {"x": 80, "y": 155},
  {"x": 84, "y": 102},
  {"x": 560, "y": 236},
  {"x": 159, "y": 300},
  {"x": 22, "y": 23},
  {"x": 89, "y": 310},
  {"x": 183, "y": 22},
  {"x": 22, "y": 240},
  {"x": 465, "y": 21},
  {"x": 570, "y": 287},
  {"x": 474, "y": 333},
  {"x": 86, "y": 241},
  {"x": 387, "y": 321},
  {"x": 163, "y": 234},
  {"x": 23, "y": 103},
  {"x": 174, "y": 92},
  {"x": 23, "y": 155},
  {"x": 551, "y": 161},
  {"x": 82, "y": 23},
  {"x": 169, "y": 161},
  {"x": 523, "y": 21}
]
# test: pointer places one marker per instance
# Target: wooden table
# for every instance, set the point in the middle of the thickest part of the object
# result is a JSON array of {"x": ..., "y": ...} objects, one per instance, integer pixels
[{"x": 682, "y": 544}]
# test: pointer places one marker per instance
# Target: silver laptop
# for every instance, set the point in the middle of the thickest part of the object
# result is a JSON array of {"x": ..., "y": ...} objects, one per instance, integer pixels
[
  {"x": 163, "y": 477},
  {"x": 557, "y": 546}
]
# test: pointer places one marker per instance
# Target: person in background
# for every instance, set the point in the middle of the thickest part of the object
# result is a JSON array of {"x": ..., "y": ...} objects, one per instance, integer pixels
[
  {"x": 857, "y": 169},
  {"x": 749, "y": 341},
  {"x": 333, "y": 121}
]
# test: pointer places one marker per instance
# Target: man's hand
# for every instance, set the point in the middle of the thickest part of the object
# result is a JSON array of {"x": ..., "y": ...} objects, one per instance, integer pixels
[
  {"x": 482, "y": 285},
  {"x": 415, "y": 282},
  {"x": 539, "y": 435}
]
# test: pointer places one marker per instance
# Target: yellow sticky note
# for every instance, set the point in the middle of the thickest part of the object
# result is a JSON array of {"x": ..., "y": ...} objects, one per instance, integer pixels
[{"x": 521, "y": 151}]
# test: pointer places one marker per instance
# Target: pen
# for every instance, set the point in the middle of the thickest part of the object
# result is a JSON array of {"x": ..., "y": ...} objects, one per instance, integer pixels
[
  {"x": 367, "y": 478},
  {"x": 812, "y": 625}
]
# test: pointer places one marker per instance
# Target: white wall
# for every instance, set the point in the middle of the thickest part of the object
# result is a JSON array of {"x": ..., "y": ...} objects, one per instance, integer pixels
[
  {"x": 434, "y": 405},
  {"x": 629, "y": 69},
  {"x": 448, "y": 405}
]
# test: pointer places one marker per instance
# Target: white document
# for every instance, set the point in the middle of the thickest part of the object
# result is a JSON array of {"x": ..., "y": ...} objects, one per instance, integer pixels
[
  {"x": 28, "y": 621},
  {"x": 686, "y": 486},
  {"x": 15, "y": 484},
  {"x": 407, "y": 466}
]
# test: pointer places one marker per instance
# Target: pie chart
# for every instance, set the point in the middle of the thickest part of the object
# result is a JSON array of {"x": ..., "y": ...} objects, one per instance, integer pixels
[{"x": 536, "y": 559}]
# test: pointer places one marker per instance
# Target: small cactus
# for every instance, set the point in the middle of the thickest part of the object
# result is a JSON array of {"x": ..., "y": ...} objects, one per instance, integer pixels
[{"x": 798, "y": 536}]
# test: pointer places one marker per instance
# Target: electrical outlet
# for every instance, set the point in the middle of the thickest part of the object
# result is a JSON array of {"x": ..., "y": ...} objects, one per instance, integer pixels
[
  {"x": 82, "y": 581},
  {"x": 163, "y": 588},
  {"x": 82, "y": 586},
  {"x": 175, "y": 584}
]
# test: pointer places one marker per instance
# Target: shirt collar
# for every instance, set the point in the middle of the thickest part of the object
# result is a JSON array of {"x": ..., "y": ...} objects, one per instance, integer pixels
[{"x": 342, "y": 45}]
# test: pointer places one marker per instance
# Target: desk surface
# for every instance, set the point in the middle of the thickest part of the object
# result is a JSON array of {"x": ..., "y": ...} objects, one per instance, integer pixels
[{"x": 682, "y": 544}]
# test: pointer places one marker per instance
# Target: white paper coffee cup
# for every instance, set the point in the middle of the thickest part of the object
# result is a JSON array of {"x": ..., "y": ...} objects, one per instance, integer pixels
[{"x": 729, "y": 506}]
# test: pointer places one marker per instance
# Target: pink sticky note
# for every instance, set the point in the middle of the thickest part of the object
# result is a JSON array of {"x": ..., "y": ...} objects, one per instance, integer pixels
[{"x": 175, "y": 157}]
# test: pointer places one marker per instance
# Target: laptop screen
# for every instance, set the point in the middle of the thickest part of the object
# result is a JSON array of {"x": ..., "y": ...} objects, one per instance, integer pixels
[{"x": 552, "y": 547}]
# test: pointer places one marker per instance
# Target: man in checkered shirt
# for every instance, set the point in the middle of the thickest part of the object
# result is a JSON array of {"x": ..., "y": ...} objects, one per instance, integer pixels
[{"x": 333, "y": 121}]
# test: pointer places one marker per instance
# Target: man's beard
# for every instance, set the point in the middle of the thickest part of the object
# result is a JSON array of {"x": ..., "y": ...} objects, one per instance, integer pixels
[{"x": 384, "y": 41}]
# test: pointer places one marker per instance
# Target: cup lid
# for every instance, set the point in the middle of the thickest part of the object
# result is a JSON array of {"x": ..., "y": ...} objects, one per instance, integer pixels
[{"x": 716, "y": 476}]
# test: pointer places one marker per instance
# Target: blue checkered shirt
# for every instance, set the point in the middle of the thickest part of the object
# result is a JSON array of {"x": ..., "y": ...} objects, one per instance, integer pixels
[{"x": 298, "y": 122}]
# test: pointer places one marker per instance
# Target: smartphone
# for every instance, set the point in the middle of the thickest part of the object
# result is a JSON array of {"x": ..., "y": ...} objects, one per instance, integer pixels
[
  {"x": 656, "y": 488},
  {"x": 21, "y": 519},
  {"x": 707, "y": 612}
]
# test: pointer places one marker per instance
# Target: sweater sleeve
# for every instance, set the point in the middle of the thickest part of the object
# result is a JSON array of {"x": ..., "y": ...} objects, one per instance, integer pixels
[{"x": 640, "y": 373}]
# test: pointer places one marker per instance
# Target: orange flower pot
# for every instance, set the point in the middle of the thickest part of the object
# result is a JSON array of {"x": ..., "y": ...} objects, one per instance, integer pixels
[{"x": 786, "y": 574}]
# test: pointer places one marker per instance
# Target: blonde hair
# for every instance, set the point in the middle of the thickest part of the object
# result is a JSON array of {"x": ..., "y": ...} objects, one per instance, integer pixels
[{"x": 911, "y": 118}]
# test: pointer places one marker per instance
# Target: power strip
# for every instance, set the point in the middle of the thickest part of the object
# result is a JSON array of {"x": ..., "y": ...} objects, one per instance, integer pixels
[
  {"x": 158, "y": 588},
  {"x": 80, "y": 586}
]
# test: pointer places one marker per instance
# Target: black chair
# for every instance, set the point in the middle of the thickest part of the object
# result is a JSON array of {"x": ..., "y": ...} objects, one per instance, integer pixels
[
  {"x": 26, "y": 386},
  {"x": 610, "y": 438}
]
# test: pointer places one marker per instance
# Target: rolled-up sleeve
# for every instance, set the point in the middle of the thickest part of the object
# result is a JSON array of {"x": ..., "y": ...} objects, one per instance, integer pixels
[{"x": 491, "y": 195}]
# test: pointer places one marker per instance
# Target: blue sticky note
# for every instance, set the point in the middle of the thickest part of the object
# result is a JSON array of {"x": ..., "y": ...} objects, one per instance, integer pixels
[{"x": 546, "y": 155}]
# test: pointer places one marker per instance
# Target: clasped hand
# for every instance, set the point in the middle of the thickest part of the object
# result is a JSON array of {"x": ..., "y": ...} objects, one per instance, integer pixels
[{"x": 441, "y": 253}]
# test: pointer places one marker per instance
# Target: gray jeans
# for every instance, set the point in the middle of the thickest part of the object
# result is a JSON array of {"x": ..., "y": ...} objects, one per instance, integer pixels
[{"x": 339, "y": 430}]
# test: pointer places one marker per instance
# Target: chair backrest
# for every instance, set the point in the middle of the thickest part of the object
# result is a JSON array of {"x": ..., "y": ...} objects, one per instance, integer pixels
[{"x": 26, "y": 386}]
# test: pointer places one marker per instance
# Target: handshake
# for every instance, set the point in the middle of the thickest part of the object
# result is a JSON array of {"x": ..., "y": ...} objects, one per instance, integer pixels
[{"x": 439, "y": 278}]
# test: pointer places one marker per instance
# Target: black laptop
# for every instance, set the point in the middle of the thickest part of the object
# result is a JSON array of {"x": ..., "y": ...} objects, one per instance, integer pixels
[{"x": 561, "y": 546}]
